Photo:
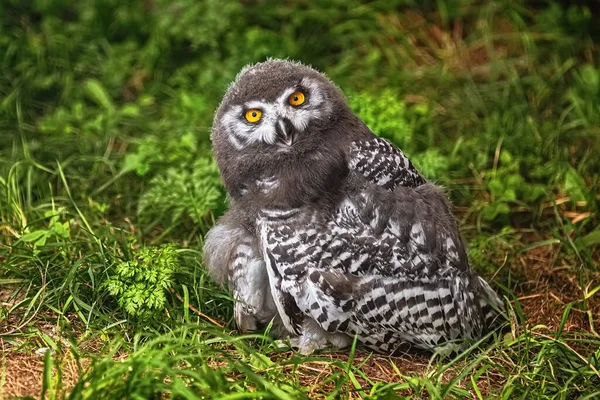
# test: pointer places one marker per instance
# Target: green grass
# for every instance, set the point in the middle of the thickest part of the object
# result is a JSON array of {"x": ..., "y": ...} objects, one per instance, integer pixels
[{"x": 105, "y": 114}]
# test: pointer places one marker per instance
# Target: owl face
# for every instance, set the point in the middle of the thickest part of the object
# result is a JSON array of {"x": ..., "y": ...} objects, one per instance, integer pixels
[
  {"x": 284, "y": 125},
  {"x": 276, "y": 106}
]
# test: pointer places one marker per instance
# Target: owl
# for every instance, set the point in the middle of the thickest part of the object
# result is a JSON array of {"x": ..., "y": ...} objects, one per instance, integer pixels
[{"x": 331, "y": 230}]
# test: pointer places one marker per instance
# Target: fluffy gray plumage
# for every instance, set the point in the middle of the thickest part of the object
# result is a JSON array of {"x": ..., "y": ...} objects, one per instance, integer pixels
[
  {"x": 232, "y": 256},
  {"x": 331, "y": 230}
]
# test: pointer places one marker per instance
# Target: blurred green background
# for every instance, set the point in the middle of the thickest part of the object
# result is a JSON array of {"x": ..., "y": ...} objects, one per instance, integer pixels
[{"x": 105, "y": 115}]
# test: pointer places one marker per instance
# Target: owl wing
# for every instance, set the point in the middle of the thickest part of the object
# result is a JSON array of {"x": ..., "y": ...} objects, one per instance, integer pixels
[
  {"x": 408, "y": 285},
  {"x": 382, "y": 163},
  {"x": 248, "y": 282},
  {"x": 231, "y": 256}
]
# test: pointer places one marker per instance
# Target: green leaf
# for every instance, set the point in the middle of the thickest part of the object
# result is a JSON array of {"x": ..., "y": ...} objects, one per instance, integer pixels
[
  {"x": 33, "y": 236},
  {"x": 509, "y": 195},
  {"x": 574, "y": 185},
  {"x": 97, "y": 93},
  {"x": 492, "y": 211},
  {"x": 589, "y": 78},
  {"x": 132, "y": 161},
  {"x": 591, "y": 239},
  {"x": 130, "y": 110},
  {"x": 592, "y": 292},
  {"x": 261, "y": 361},
  {"x": 496, "y": 187},
  {"x": 506, "y": 157},
  {"x": 542, "y": 243},
  {"x": 47, "y": 374},
  {"x": 61, "y": 230},
  {"x": 42, "y": 241}
]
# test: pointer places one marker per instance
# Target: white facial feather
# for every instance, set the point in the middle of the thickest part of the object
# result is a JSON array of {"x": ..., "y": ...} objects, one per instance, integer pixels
[
  {"x": 242, "y": 133},
  {"x": 317, "y": 98}
]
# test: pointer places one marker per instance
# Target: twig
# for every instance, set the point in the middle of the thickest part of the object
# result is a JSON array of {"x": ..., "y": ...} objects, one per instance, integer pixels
[
  {"x": 198, "y": 312},
  {"x": 555, "y": 297},
  {"x": 531, "y": 296},
  {"x": 500, "y": 268}
]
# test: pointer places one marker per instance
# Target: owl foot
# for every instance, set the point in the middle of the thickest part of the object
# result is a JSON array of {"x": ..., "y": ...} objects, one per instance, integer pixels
[
  {"x": 306, "y": 345},
  {"x": 313, "y": 338},
  {"x": 244, "y": 319},
  {"x": 302, "y": 344}
]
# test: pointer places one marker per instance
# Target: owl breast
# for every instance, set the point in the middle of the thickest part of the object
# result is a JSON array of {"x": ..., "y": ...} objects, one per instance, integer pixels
[{"x": 314, "y": 178}]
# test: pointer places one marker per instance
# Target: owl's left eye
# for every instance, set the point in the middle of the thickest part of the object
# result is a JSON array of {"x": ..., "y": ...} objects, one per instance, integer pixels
[
  {"x": 296, "y": 99},
  {"x": 253, "y": 115}
]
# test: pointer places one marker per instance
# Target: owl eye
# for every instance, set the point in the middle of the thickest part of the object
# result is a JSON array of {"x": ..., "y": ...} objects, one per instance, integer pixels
[
  {"x": 296, "y": 99},
  {"x": 253, "y": 115}
]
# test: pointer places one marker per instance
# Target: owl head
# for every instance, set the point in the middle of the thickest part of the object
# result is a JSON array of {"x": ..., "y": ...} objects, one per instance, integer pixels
[{"x": 278, "y": 115}]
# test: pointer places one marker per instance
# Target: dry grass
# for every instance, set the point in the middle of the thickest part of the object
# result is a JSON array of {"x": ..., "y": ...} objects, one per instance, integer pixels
[
  {"x": 549, "y": 289},
  {"x": 23, "y": 372}
]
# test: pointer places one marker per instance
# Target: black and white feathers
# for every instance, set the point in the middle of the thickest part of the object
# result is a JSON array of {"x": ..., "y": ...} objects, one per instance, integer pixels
[
  {"x": 408, "y": 285},
  {"x": 231, "y": 248},
  {"x": 351, "y": 239}
]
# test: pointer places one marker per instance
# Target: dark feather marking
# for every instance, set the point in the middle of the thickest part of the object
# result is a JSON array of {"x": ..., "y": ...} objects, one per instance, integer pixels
[{"x": 289, "y": 304}]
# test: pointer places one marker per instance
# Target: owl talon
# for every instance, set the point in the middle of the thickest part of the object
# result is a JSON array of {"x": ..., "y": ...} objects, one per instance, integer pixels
[
  {"x": 313, "y": 338},
  {"x": 302, "y": 344},
  {"x": 307, "y": 345},
  {"x": 245, "y": 321}
]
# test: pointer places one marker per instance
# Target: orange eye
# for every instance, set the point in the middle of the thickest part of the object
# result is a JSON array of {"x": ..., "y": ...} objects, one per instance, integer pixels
[
  {"x": 296, "y": 99},
  {"x": 253, "y": 115}
]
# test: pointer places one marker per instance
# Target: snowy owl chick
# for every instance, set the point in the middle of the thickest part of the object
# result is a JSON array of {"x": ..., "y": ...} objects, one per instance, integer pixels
[{"x": 331, "y": 229}]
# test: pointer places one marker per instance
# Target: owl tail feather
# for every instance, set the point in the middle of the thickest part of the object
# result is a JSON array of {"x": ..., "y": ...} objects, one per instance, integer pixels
[{"x": 492, "y": 306}]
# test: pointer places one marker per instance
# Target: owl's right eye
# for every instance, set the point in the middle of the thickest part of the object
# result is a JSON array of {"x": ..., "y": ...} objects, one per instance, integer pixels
[{"x": 253, "y": 115}]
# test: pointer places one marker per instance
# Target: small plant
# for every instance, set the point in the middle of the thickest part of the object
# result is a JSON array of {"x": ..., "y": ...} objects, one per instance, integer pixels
[
  {"x": 506, "y": 185},
  {"x": 183, "y": 192},
  {"x": 139, "y": 284},
  {"x": 161, "y": 151},
  {"x": 431, "y": 163},
  {"x": 385, "y": 114},
  {"x": 56, "y": 230},
  {"x": 487, "y": 252}
]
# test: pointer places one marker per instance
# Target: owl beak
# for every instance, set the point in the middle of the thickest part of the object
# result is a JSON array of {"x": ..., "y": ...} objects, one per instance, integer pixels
[{"x": 285, "y": 131}]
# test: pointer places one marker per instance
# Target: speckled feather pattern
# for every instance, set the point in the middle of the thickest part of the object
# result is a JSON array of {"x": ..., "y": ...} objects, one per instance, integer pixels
[
  {"x": 383, "y": 164},
  {"x": 409, "y": 284},
  {"x": 374, "y": 158}
]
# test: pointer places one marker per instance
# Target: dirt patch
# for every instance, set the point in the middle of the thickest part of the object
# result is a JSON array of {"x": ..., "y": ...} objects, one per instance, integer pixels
[
  {"x": 22, "y": 356},
  {"x": 552, "y": 287},
  {"x": 23, "y": 373}
]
